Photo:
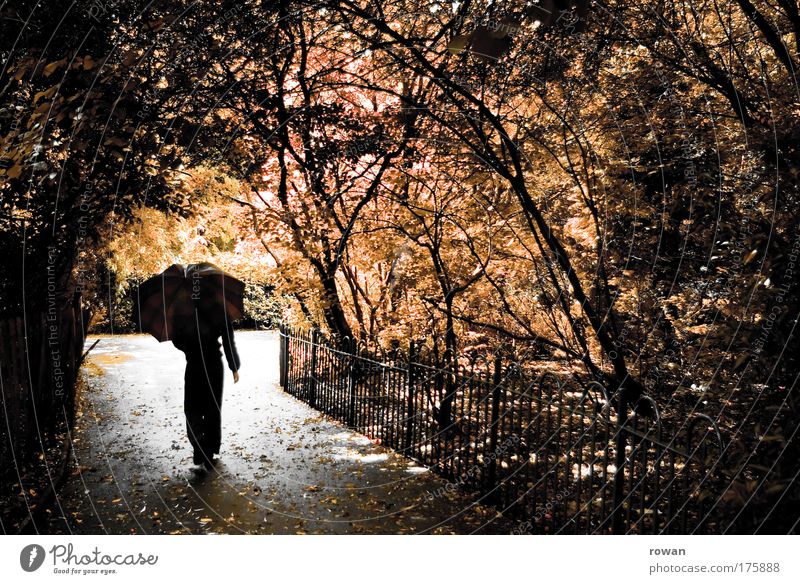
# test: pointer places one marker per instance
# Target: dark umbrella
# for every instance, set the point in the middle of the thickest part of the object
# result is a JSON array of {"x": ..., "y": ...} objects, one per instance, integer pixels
[{"x": 171, "y": 301}]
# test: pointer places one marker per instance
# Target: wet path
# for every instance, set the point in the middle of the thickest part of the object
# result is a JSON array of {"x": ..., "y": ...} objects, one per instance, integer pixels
[{"x": 284, "y": 468}]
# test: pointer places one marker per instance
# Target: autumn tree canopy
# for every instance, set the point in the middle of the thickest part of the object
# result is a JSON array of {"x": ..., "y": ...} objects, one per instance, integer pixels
[{"x": 608, "y": 188}]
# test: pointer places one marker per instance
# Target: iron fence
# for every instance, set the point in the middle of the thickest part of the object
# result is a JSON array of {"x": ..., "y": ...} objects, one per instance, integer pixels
[{"x": 556, "y": 455}]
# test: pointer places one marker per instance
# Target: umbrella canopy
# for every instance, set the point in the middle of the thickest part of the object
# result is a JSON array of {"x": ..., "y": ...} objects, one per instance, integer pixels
[{"x": 173, "y": 301}]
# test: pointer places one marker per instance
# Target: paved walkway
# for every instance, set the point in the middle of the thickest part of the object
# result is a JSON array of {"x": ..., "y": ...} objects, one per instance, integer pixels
[{"x": 284, "y": 467}]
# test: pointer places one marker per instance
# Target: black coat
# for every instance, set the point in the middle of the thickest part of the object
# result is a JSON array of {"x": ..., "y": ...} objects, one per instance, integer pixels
[
  {"x": 202, "y": 334},
  {"x": 203, "y": 382}
]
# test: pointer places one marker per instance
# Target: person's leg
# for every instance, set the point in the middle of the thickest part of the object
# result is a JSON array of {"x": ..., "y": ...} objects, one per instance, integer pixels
[
  {"x": 216, "y": 377},
  {"x": 194, "y": 410},
  {"x": 208, "y": 375}
]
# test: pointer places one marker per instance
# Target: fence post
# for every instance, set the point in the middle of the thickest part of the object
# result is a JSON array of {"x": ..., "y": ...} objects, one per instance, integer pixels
[
  {"x": 618, "y": 522},
  {"x": 410, "y": 381},
  {"x": 17, "y": 337},
  {"x": 497, "y": 390},
  {"x": 287, "y": 356},
  {"x": 351, "y": 387},
  {"x": 312, "y": 387},
  {"x": 284, "y": 356}
]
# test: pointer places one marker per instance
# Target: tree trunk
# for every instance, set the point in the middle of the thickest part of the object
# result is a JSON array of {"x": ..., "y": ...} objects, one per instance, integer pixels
[{"x": 332, "y": 308}]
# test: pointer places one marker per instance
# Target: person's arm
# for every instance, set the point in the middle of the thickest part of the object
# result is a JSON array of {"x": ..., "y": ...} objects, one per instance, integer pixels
[{"x": 231, "y": 354}]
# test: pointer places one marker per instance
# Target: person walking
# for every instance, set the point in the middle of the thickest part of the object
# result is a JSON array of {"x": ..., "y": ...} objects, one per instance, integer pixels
[
  {"x": 203, "y": 383},
  {"x": 194, "y": 306}
]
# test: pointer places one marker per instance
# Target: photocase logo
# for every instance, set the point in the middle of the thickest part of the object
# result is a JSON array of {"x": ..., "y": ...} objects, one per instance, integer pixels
[{"x": 31, "y": 557}]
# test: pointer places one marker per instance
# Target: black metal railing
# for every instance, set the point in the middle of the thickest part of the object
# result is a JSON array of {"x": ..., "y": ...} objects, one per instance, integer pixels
[{"x": 557, "y": 456}]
